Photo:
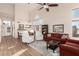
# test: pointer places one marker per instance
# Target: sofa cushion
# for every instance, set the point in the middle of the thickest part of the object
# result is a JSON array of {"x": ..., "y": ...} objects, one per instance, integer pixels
[
  {"x": 73, "y": 41},
  {"x": 55, "y": 38},
  {"x": 57, "y": 35},
  {"x": 72, "y": 44},
  {"x": 69, "y": 48}
]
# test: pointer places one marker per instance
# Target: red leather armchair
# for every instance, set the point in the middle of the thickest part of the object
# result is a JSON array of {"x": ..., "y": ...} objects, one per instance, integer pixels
[{"x": 70, "y": 48}]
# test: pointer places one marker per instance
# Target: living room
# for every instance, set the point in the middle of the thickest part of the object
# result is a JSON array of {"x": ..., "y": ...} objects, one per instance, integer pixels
[
  {"x": 62, "y": 14},
  {"x": 29, "y": 17}
]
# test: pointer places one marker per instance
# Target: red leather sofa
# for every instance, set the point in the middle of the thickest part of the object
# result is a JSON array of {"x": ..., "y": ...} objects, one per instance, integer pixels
[
  {"x": 67, "y": 47},
  {"x": 70, "y": 48},
  {"x": 55, "y": 37}
]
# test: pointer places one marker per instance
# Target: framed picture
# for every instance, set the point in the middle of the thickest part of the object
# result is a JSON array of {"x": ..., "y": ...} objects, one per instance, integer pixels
[
  {"x": 21, "y": 26},
  {"x": 58, "y": 28}
]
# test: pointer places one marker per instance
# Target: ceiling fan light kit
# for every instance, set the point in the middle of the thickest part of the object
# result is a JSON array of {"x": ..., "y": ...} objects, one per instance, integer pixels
[{"x": 45, "y": 6}]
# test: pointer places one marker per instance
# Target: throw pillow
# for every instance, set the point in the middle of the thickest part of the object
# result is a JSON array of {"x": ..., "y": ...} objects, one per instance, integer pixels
[
  {"x": 48, "y": 35},
  {"x": 64, "y": 36}
]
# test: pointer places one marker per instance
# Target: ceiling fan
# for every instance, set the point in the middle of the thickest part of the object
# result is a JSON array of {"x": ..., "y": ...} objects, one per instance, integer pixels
[{"x": 47, "y": 5}]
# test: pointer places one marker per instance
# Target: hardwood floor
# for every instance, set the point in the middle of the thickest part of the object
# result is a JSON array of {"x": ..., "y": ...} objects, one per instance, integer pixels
[{"x": 14, "y": 47}]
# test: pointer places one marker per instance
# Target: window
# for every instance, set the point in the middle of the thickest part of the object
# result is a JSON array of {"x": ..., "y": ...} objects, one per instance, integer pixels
[{"x": 75, "y": 22}]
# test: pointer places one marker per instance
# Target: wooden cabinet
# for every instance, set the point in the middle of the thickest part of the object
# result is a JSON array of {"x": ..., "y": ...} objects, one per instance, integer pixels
[{"x": 44, "y": 29}]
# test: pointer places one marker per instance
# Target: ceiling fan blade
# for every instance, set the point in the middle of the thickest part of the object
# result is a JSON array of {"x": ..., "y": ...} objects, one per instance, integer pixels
[
  {"x": 40, "y": 4},
  {"x": 52, "y": 5},
  {"x": 40, "y": 8},
  {"x": 47, "y": 9}
]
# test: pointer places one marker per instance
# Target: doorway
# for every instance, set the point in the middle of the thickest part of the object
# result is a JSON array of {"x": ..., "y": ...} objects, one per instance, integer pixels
[
  {"x": 38, "y": 22},
  {"x": 7, "y": 28}
]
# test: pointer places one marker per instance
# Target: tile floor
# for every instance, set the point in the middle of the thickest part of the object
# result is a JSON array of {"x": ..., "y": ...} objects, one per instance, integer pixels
[{"x": 40, "y": 46}]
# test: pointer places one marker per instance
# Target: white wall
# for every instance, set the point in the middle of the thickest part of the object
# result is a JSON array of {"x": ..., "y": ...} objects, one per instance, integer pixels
[
  {"x": 58, "y": 15},
  {"x": 6, "y": 9}
]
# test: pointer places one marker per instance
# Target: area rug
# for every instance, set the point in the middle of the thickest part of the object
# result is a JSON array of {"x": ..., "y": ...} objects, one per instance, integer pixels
[{"x": 40, "y": 46}]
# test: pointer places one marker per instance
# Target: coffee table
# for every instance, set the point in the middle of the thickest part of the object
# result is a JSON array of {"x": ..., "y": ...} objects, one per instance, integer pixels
[{"x": 53, "y": 45}]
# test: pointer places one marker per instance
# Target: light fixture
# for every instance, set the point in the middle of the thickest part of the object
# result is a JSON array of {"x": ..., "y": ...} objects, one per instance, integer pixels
[{"x": 45, "y": 6}]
